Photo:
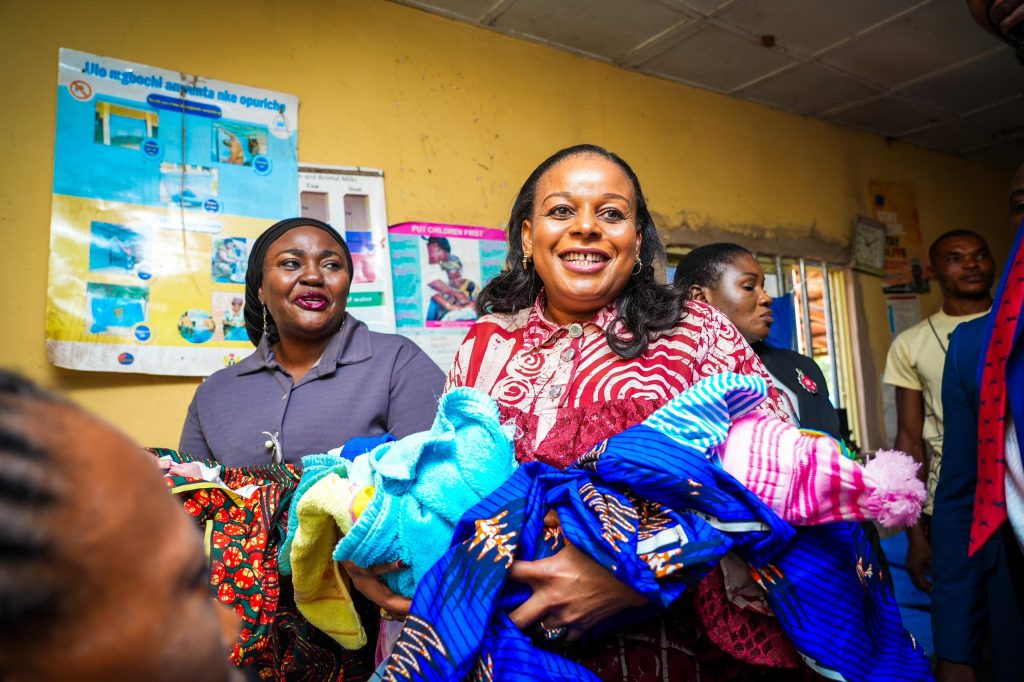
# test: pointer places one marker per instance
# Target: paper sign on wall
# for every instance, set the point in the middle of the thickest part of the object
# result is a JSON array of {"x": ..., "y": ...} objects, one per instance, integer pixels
[
  {"x": 438, "y": 270},
  {"x": 895, "y": 204},
  {"x": 161, "y": 182},
  {"x": 351, "y": 200}
]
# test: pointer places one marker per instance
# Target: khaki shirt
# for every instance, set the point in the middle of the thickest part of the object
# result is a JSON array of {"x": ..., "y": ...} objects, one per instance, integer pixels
[{"x": 915, "y": 361}]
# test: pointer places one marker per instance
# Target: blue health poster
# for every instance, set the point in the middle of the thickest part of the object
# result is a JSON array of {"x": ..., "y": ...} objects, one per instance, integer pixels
[{"x": 161, "y": 182}]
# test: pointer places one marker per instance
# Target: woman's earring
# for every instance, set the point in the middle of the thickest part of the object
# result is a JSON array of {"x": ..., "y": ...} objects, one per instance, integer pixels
[
  {"x": 527, "y": 261},
  {"x": 264, "y": 319},
  {"x": 639, "y": 266}
]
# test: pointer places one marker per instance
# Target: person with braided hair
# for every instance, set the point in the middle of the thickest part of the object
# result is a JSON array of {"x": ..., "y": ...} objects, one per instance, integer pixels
[{"x": 102, "y": 576}]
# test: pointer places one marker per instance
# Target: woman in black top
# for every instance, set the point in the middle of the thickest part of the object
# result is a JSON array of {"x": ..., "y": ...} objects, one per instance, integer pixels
[{"x": 728, "y": 277}]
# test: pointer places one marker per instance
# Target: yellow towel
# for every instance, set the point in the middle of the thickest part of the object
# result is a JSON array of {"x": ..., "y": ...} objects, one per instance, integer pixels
[{"x": 321, "y": 589}]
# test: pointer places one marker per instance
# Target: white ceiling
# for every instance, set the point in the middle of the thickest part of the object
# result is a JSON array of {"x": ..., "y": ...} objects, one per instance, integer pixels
[{"x": 915, "y": 70}]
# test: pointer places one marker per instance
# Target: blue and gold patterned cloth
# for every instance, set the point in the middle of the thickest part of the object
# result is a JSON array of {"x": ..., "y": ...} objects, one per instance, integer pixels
[{"x": 660, "y": 514}]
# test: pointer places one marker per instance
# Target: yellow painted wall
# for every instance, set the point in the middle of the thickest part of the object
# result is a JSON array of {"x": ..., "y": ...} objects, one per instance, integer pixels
[{"x": 457, "y": 117}]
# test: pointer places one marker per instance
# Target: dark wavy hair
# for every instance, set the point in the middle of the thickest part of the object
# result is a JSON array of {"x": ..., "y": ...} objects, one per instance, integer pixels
[
  {"x": 703, "y": 267},
  {"x": 645, "y": 307}
]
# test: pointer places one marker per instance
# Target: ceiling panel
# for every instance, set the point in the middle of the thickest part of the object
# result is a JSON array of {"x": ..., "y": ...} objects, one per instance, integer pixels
[
  {"x": 1004, "y": 154},
  {"x": 807, "y": 89},
  {"x": 992, "y": 78},
  {"x": 1004, "y": 119},
  {"x": 469, "y": 9},
  {"x": 609, "y": 28},
  {"x": 809, "y": 26},
  {"x": 715, "y": 59},
  {"x": 951, "y": 137},
  {"x": 930, "y": 38},
  {"x": 885, "y": 116},
  {"x": 702, "y": 6},
  {"x": 918, "y": 70}
]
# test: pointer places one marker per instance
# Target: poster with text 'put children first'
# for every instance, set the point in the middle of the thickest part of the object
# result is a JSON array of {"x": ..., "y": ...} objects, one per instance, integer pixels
[
  {"x": 161, "y": 182},
  {"x": 437, "y": 271}
]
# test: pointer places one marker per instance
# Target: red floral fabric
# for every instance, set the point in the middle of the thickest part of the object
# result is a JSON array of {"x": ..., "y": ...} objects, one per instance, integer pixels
[
  {"x": 243, "y": 535},
  {"x": 243, "y": 570}
]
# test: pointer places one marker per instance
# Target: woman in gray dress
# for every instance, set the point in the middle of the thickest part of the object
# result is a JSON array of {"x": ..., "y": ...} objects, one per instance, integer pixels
[{"x": 319, "y": 376}]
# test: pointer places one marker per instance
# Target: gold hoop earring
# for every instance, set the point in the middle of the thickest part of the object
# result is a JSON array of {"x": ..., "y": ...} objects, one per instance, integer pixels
[
  {"x": 638, "y": 267},
  {"x": 527, "y": 261}
]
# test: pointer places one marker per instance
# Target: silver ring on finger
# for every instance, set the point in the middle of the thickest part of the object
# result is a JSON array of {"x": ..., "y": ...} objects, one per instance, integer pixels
[{"x": 551, "y": 634}]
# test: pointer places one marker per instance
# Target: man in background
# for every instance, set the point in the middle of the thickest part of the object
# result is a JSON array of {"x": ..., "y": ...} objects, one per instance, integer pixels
[
  {"x": 979, "y": 504},
  {"x": 964, "y": 272}
]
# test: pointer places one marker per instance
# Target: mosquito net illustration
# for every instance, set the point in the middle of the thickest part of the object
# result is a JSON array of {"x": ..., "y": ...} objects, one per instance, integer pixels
[
  {"x": 238, "y": 143},
  {"x": 115, "y": 249},
  {"x": 187, "y": 186}
]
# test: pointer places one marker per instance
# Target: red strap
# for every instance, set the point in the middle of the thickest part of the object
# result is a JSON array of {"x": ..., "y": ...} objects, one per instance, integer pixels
[{"x": 990, "y": 494}]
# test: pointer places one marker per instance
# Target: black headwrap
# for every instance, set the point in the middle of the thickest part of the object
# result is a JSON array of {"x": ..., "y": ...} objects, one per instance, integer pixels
[{"x": 254, "y": 273}]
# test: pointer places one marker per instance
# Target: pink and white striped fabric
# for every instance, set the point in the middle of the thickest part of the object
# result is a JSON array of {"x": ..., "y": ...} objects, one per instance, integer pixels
[{"x": 805, "y": 478}]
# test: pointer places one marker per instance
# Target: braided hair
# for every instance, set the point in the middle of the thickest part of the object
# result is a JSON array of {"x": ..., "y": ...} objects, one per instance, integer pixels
[
  {"x": 28, "y": 489},
  {"x": 645, "y": 307}
]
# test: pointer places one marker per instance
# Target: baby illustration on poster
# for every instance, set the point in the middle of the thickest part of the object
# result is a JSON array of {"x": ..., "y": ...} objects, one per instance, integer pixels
[{"x": 437, "y": 273}]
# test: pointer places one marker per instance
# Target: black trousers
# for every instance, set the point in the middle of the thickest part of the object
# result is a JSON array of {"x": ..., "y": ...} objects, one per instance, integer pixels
[{"x": 1015, "y": 561}]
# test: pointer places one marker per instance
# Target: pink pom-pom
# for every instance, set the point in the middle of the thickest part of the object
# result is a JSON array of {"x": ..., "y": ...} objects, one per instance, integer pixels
[{"x": 895, "y": 493}]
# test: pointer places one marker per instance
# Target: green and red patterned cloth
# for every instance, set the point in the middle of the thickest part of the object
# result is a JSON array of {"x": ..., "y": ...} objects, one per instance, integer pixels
[{"x": 241, "y": 536}]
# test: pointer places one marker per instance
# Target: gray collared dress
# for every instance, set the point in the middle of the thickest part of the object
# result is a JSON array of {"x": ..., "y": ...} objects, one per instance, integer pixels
[{"x": 366, "y": 384}]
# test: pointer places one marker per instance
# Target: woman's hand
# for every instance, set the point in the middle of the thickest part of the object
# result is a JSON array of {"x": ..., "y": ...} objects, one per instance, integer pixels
[
  {"x": 184, "y": 469},
  {"x": 999, "y": 17},
  {"x": 569, "y": 589},
  {"x": 1006, "y": 15},
  {"x": 367, "y": 581}
]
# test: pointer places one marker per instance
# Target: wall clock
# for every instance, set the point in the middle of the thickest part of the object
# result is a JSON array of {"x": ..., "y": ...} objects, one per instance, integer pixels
[{"x": 868, "y": 248}]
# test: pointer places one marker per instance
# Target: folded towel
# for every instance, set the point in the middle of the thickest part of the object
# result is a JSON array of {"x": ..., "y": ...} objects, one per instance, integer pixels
[
  {"x": 321, "y": 590},
  {"x": 425, "y": 482}
]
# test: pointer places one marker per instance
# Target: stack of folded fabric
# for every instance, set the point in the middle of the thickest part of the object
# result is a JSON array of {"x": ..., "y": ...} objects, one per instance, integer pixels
[
  {"x": 710, "y": 478},
  {"x": 807, "y": 479},
  {"x": 654, "y": 506},
  {"x": 399, "y": 501}
]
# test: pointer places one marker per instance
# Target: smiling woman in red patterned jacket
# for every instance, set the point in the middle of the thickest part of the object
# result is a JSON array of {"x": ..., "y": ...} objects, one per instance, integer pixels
[{"x": 578, "y": 342}]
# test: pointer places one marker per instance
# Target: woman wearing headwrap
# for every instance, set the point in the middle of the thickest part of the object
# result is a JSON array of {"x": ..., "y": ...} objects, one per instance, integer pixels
[{"x": 319, "y": 377}]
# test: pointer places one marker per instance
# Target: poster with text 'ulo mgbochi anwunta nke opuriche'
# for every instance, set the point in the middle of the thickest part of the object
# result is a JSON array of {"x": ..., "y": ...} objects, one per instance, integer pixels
[{"x": 161, "y": 182}]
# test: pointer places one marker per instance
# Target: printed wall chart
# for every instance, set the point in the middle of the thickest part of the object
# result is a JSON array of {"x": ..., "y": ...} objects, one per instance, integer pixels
[
  {"x": 161, "y": 182},
  {"x": 437, "y": 272},
  {"x": 895, "y": 204}
]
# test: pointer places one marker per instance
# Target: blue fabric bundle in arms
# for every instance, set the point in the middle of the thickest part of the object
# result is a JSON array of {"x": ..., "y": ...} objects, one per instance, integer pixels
[{"x": 657, "y": 512}]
